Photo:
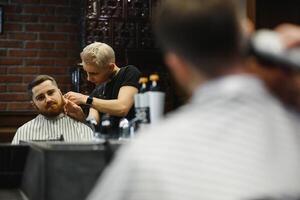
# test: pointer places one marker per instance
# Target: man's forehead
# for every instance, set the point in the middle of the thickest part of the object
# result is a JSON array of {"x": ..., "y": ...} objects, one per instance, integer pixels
[
  {"x": 90, "y": 68},
  {"x": 43, "y": 87}
]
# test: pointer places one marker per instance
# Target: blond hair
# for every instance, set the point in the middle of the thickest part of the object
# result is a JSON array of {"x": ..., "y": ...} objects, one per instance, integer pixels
[{"x": 98, "y": 54}]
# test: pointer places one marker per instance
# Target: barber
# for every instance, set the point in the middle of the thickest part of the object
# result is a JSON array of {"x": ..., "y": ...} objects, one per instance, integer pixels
[{"x": 115, "y": 87}]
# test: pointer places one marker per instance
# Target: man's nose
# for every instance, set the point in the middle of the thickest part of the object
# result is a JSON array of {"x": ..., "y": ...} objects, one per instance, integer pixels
[
  {"x": 47, "y": 98},
  {"x": 89, "y": 78}
]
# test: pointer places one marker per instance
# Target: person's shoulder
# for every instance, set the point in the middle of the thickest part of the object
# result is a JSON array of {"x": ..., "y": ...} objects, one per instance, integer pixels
[
  {"x": 131, "y": 69},
  {"x": 129, "y": 76}
]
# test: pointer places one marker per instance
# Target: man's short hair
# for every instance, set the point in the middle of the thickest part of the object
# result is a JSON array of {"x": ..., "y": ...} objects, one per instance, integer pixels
[
  {"x": 98, "y": 54},
  {"x": 206, "y": 33},
  {"x": 38, "y": 80}
]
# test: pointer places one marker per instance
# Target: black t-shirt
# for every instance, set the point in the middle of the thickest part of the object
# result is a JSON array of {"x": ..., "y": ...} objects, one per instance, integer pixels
[{"x": 127, "y": 76}]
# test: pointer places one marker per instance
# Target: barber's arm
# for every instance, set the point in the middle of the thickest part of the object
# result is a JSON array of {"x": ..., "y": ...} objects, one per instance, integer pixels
[
  {"x": 75, "y": 111},
  {"x": 116, "y": 107},
  {"x": 93, "y": 114}
]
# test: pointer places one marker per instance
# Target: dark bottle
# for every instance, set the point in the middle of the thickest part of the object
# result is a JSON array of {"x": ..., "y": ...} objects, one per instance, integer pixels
[
  {"x": 154, "y": 82},
  {"x": 105, "y": 125},
  {"x": 143, "y": 84}
]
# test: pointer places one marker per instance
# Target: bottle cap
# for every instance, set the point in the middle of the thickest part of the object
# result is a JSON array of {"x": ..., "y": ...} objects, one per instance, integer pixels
[
  {"x": 154, "y": 77},
  {"x": 143, "y": 80}
]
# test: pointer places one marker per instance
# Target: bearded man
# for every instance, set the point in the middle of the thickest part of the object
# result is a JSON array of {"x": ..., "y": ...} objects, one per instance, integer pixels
[{"x": 51, "y": 122}]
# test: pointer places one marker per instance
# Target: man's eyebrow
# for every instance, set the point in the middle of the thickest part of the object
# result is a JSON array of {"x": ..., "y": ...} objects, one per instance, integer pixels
[
  {"x": 93, "y": 72},
  {"x": 51, "y": 90},
  {"x": 39, "y": 95}
]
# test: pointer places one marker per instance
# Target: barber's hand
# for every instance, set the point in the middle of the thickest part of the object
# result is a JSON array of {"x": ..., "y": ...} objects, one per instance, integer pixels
[
  {"x": 76, "y": 97},
  {"x": 289, "y": 34},
  {"x": 73, "y": 110}
]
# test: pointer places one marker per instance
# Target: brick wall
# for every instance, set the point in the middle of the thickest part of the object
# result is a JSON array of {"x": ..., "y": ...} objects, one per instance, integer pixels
[{"x": 39, "y": 37}]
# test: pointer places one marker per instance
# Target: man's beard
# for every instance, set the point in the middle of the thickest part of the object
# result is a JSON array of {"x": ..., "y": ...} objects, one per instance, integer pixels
[{"x": 54, "y": 109}]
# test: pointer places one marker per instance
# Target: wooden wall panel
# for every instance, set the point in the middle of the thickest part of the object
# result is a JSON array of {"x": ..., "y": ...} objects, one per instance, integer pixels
[{"x": 10, "y": 121}]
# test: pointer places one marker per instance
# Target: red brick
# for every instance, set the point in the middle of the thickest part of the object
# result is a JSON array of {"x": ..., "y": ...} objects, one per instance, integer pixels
[
  {"x": 54, "y": 2},
  {"x": 74, "y": 19},
  {"x": 65, "y": 62},
  {"x": 53, "y": 70},
  {"x": 21, "y": 106},
  {"x": 75, "y": 3},
  {"x": 22, "y": 53},
  {"x": 13, "y": 9},
  {"x": 11, "y": 78},
  {"x": 3, "y": 106},
  {"x": 53, "y": 19},
  {"x": 9, "y": 61},
  {"x": 39, "y": 62},
  {"x": 12, "y": 27},
  {"x": 27, "y": 79},
  {"x": 2, "y": 88},
  {"x": 73, "y": 54},
  {"x": 26, "y": 1},
  {"x": 3, "y": 35},
  {"x": 41, "y": 18},
  {"x": 39, "y": 28},
  {"x": 55, "y": 54},
  {"x": 67, "y": 28},
  {"x": 3, "y": 52},
  {"x": 10, "y": 44},
  {"x": 3, "y": 70},
  {"x": 39, "y": 10},
  {"x": 67, "y": 45},
  {"x": 17, "y": 88},
  {"x": 66, "y": 11},
  {"x": 23, "y": 36},
  {"x": 53, "y": 36},
  {"x": 73, "y": 37},
  {"x": 21, "y": 18},
  {"x": 39, "y": 45},
  {"x": 63, "y": 79},
  {"x": 23, "y": 70},
  {"x": 13, "y": 97}
]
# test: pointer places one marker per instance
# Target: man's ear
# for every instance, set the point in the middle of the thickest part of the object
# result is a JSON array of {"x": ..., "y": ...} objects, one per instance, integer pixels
[
  {"x": 178, "y": 67},
  {"x": 111, "y": 66},
  {"x": 33, "y": 105}
]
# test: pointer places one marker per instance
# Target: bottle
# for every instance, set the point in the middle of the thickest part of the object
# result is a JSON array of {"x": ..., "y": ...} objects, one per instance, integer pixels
[
  {"x": 143, "y": 84},
  {"x": 142, "y": 103},
  {"x": 154, "y": 82},
  {"x": 105, "y": 125},
  {"x": 156, "y": 100}
]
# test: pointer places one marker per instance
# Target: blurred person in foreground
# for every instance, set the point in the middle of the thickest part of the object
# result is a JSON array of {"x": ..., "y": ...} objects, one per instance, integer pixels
[
  {"x": 233, "y": 140},
  {"x": 115, "y": 87},
  {"x": 51, "y": 123}
]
